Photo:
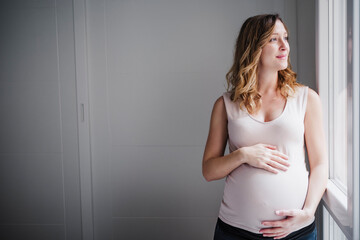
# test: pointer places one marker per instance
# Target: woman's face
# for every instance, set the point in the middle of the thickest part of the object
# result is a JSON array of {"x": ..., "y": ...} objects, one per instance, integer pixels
[{"x": 275, "y": 53}]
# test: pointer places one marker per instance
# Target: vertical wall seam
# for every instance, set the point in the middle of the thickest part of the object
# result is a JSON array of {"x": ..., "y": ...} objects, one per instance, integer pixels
[
  {"x": 109, "y": 144},
  {"x": 61, "y": 122},
  {"x": 88, "y": 115}
]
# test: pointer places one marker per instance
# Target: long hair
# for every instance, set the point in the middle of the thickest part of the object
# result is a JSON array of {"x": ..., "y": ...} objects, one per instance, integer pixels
[{"x": 241, "y": 79}]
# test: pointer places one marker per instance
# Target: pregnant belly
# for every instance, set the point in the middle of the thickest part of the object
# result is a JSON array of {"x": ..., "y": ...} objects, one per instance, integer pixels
[{"x": 252, "y": 195}]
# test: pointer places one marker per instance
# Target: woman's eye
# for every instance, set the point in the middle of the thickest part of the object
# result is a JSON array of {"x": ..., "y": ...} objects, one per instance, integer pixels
[{"x": 274, "y": 39}]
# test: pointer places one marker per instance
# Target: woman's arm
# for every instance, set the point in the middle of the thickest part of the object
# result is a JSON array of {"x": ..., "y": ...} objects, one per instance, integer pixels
[
  {"x": 216, "y": 166},
  {"x": 316, "y": 147}
]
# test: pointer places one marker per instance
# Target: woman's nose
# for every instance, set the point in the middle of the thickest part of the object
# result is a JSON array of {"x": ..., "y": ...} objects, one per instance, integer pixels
[{"x": 283, "y": 45}]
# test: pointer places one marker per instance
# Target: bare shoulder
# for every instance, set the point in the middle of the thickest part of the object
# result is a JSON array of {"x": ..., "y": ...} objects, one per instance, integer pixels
[
  {"x": 219, "y": 108},
  {"x": 313, "y": 99},
  {"x": 313, "y": 96},
  {"x": 313, "y": 103},
  {"x": 220, "y": 102}
]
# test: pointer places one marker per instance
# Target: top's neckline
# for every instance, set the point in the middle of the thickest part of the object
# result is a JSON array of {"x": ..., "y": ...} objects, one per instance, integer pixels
[{"x": 271, "y": 121}]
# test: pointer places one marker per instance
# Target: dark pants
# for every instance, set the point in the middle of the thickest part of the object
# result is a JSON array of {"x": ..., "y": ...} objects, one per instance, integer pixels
[{"x": 225, "y": 231}]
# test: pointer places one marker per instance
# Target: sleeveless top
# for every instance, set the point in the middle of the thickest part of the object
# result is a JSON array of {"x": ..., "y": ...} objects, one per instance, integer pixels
[{"x": 252, "y": 195}]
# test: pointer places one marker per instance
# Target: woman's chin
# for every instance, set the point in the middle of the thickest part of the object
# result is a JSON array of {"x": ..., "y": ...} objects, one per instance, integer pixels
[{"x": 283, "y": 67}]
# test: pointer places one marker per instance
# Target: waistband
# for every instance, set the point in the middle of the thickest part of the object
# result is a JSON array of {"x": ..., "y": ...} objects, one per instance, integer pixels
[{"x": 246, "y": 235}]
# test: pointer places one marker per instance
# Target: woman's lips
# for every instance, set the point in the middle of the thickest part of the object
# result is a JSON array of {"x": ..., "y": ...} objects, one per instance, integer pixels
[{"x": 282, "y": 57}]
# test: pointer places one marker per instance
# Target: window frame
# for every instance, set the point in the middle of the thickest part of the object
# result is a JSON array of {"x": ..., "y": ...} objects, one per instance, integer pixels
[{"x": 343, "y": 207}]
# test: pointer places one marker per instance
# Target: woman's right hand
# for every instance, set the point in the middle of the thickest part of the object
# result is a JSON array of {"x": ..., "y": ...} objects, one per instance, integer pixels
[{"x": 266, "y": 157}]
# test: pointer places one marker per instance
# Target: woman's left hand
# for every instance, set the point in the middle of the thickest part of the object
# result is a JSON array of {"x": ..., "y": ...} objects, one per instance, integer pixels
[{"x": 295, "y": 220}]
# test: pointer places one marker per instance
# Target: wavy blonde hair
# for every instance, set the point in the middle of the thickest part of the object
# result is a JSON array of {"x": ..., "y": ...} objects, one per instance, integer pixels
[{"x": 241, "y": 79}]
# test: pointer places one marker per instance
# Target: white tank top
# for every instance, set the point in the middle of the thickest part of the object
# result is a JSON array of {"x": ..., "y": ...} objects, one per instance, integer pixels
[{"x": 252, "y": 195}]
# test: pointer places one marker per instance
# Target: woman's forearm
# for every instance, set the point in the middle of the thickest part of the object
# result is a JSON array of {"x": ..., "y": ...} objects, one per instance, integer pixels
[
  {"x": 260, "y": 155},
  {"x": 219, "y": 167},
  {"x": 317, "y": 185}
]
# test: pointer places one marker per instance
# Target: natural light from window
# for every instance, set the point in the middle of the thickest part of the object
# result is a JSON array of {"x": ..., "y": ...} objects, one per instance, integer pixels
[
  {"x": 338, "y": 95},
  {"x": 338, "y": 78}
]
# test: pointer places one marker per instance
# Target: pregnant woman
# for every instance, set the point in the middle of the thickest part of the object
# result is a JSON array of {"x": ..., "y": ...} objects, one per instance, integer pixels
[{"x": 266, "y": 117}]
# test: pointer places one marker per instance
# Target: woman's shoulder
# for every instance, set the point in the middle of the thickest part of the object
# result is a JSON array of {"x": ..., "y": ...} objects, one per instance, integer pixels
[
  {"x": 308, "y": 93},
  {"x": 312, "y": 93},
  {"x": 219, "y": 108},
  {"x": 219, "y": 103},
  {"x": 307, "y": 99},
  {"x": 314, "y": 115},
  {"x": 313, "y": 99},
  {"x": 305, "y": 94},
  {"x": 225, "y": 106},
  {"x": 223, "y": 100}
]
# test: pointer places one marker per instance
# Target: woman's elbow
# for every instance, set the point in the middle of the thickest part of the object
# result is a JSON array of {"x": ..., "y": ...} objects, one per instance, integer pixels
[
  {"x": 208, "y": 178},
  {"x": 207, "y": 174}
]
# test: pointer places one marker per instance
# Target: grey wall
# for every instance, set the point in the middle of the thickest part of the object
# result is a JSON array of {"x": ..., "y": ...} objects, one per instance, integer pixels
[
  {"x": 154, "y": 72},
  {"x": 305, "y": 10},
  {"x": 39, "y": 180}
]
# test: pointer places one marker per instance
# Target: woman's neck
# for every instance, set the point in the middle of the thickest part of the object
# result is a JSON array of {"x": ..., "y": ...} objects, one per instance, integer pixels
[{"x": 267, "y": 82}]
